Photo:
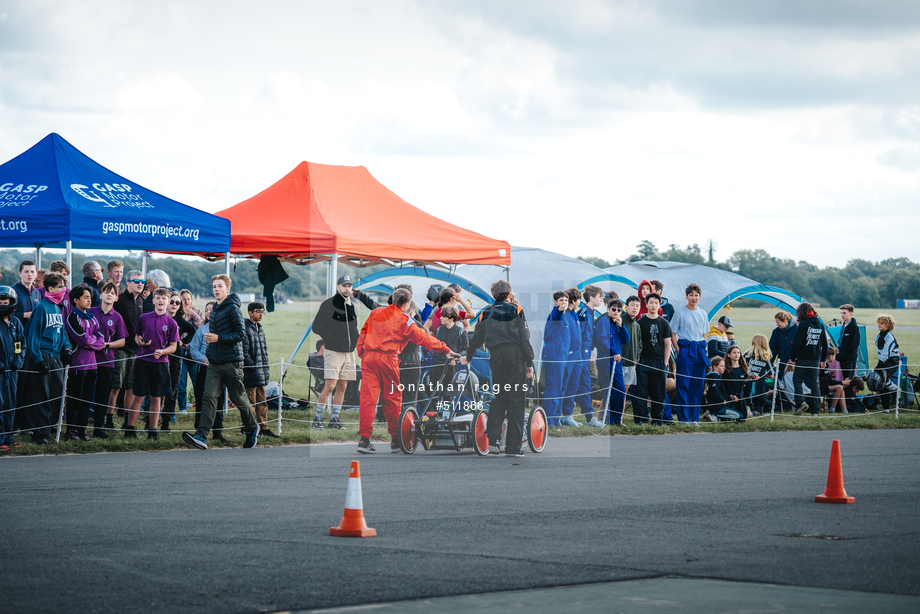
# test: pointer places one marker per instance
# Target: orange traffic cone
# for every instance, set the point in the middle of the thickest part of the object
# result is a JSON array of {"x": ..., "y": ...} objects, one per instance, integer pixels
[
  {"x": 835, "y": 493},
  {"x": 352, "y": 524}
]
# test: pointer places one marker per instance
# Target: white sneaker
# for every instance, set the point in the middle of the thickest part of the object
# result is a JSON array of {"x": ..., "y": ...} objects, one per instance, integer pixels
[
  {"x": 596, "y": 422},
  {"x": 569, "y": 421}
]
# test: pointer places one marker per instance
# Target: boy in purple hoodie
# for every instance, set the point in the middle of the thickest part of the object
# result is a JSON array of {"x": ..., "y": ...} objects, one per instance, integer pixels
[{"x": 157, "y": 336}]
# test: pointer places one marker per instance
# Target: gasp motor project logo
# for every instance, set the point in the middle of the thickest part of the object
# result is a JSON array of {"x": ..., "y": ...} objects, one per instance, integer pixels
[
  {"x": 18, "y": 195},
  {"x": 112, "y": 195}
]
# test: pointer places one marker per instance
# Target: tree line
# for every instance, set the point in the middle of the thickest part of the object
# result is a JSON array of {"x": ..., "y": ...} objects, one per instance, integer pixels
[{"x": 861, "y": 283}]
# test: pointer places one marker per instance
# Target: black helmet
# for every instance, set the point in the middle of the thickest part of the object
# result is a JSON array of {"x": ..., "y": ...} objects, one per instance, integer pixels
[
  {"x": 879, "y": 383},
  {"x": 434, "y": 292},
  {"x": 8, "y": 292}
]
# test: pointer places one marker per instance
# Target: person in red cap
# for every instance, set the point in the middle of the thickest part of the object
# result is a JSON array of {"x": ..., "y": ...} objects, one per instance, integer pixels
[{"x": 383, "y": 336}]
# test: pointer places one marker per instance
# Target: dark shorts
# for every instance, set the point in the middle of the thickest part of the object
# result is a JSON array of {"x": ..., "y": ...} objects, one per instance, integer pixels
[
  {"x": 150, "y": 378},
  {"x": 123, "y": 370}
]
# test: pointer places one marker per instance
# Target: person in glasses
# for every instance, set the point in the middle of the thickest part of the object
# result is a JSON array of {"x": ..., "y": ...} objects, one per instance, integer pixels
[
  {"x": 610, "y": 336},
  {"x": 130, "y": 306},
  {"x": 176, "y": 310}
]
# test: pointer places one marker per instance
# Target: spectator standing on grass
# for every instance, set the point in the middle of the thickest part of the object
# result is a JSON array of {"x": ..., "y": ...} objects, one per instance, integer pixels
[
  {"x": 585, "y": 313},
  {"x": 85, "y": 338},
  {"x": 155, "y": 279},
  {"x": 255, "y": 366},
  {"x": 850, "y": 340},
  {"x": 198, "y": 350},
  {"x": 651, "y": 372},
  {"x": 782, "y": 339},
  {"x": 92, "y": 275},
  {"x": 576, "y": 358},
  {"x": 556, "y": 358},
  {"x": 12, "y": 355},
  {"x": 610, "y": 337},
  {"x": 115, "y": 270},
  {"x": 189, "y": 368},
  {"x": 503, "y": 330},
  {"x": 26, "y": 292},
  {"x": 809, "y": 352},
  {"x": 632, "y": 349},
  {"x": 225, "y": 366},
  {"x": 157, "y": 336},
  {"x": 49, "y": 350},
  {"x": 129, "y": 306},
  {"x": 337, "y": 323},
  {"x": 889, "y": 358},
  {"x": 176, "y": 360},
  {"x": 689, "y": 325},
  {"x": 114, "y": 333},
  {"x": 667, "y": 309}
]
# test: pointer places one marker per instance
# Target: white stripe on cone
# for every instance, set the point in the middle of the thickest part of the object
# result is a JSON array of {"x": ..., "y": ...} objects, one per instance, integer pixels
[{"x": 353, "y": 500}]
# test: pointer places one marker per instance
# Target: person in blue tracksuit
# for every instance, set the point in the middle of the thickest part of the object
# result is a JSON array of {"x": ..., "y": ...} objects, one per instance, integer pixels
[
  {"x": 688, "y": 327},
  {"x": 12, "y": 353},
  {"x": 594, "y": 298},
  {"x": 555, "y": 357},
  {"x": 575, "y": 362},
  {"x": 610, "y": 335}
]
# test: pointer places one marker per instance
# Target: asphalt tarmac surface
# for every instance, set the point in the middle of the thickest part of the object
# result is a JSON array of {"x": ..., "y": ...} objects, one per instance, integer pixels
[{"x": 247, "y": 530}]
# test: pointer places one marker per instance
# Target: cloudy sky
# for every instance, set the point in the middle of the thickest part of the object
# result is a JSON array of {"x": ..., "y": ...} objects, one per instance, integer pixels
[{"x": 582, "y": 127}]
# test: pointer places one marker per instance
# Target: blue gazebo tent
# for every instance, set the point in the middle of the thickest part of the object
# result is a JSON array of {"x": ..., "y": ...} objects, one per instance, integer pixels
[{"x": 54, "y": 193}]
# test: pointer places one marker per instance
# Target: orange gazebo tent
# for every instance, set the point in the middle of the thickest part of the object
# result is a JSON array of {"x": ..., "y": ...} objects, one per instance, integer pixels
[{"x": 320, "y": 210}]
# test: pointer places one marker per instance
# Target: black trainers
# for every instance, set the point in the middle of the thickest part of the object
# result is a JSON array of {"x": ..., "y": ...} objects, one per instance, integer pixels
[
  {"x": 318, "y": 424},
  {"x": 252, "y": 438},
  {"x": 152, "y": 434},
  {"x": 220, "y": 438},
  {"x": 394, "y": 447},
  {"x": 335, "y": 423},
  {"x": 266, "y": 432},
  {"x": 366, "y": 447},
  {"x": 514, "y": 454},
  {"x": 100, "y": 434},
  {"x": 130, "y": 432},
  {"x": 195, "y": 440}
]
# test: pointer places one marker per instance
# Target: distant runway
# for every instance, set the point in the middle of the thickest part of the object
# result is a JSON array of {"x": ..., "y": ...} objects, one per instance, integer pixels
[{"x": 247, "y": 530}]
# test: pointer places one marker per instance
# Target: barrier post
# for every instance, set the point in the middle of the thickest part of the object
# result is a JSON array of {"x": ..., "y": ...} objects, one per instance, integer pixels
[
  {"x": 57, "y": 437},
  {"x": 775, "y": 387},
  {"x": 280, "y": 394},
  {"x": 897, "y": 396}
]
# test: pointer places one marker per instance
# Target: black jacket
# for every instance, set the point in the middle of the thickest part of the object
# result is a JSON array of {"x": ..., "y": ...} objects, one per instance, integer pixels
[
  {"x": 130, "y": 309},
  {"x": 502, "y": 324},
  {"x": 93, "y": 285},
  {"x": 255, "y": 356},
  {"x": 810, "y": 342},
  {"x": 781, "y": 342},
  {"x": 227, "y": 323},
  {"x": 454, "y": 337},
  {"x": 849, "y": 343},
  {"x": 337, "y": 322},
  {"x": 716, "y": 396}
]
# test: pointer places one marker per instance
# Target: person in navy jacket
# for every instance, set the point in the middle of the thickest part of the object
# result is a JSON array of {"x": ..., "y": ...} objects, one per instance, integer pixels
[
  {"x": 609, "y": 338},
  {"x": 782, "y": 338},
  {"x": 12, "y": 354}
]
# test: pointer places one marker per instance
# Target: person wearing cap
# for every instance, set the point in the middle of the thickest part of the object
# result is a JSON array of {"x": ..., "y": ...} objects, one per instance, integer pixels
[
  {"x": 718, "y": 342},
  {"x": 337, "y": 323}
]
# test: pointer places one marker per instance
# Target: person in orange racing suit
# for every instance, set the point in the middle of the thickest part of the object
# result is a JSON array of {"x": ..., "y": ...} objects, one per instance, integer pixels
[{"x": 383, "y": 336}]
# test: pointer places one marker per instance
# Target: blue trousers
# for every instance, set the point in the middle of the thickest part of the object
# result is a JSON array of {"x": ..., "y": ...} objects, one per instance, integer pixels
[
  {"x": 558, "y": 375},
  {"x": 584, "y": 387},
  {"x": 573, "y": 384},
  {"x": 614, "y": 394},
  {"x": 691, "y": 371},
  {"x": 189, "y": 368}
]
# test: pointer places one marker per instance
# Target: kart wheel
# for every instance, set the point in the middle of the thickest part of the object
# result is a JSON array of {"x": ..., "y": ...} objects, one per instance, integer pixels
[
  {"x": 479, "y": 436},
  {"x": 405, "y": 433},
  {"x": 536, "y": 429}
]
